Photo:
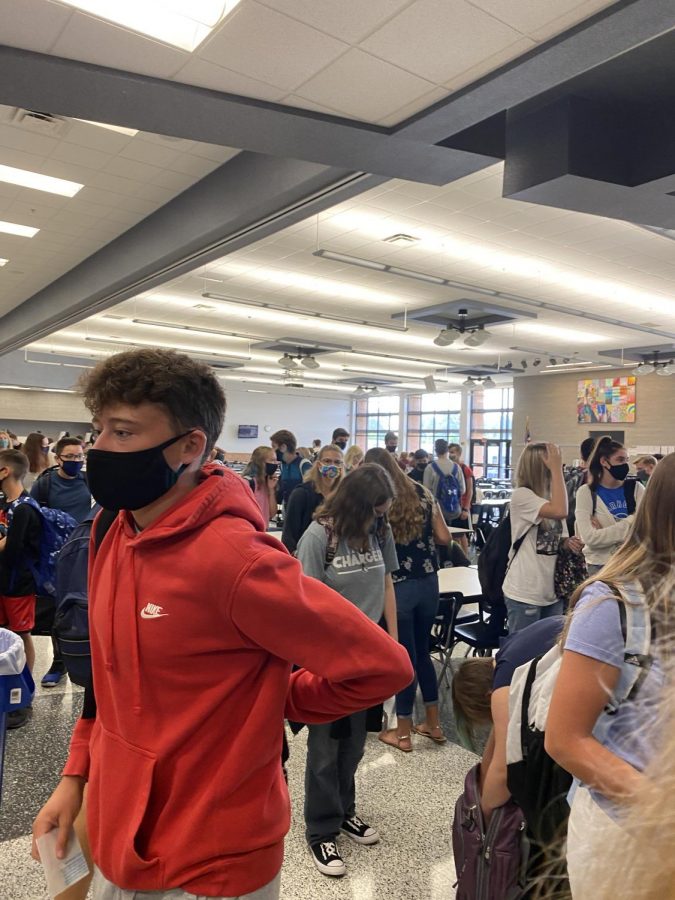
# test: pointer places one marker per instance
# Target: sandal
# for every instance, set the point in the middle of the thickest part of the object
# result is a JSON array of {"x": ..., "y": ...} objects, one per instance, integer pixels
[
  {"x": 438, "y": 738},
  {"x": 392, "y": 739}
]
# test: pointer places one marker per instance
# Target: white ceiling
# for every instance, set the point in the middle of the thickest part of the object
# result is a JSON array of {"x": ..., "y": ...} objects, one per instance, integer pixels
[
  {"x": 125, "y": 179},
  {"x": 317, "y": 54},
  {"x": 467, "y": 232}
]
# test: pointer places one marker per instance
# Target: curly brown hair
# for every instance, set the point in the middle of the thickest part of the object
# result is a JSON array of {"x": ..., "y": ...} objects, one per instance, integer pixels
[
  {"x": 187, "y": 389},
  {"x": 407, "y": 513},
  {"x": 351, "y": 505}
]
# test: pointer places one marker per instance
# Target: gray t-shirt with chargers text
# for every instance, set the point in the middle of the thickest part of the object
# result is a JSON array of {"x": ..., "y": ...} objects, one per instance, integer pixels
[{"x": 359, "y": 577}]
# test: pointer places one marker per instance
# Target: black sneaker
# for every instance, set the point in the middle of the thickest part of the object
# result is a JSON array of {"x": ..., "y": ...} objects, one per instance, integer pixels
[
  {"x": 18, "y": 718},
  {"x": 360, "y": 832},
  {"x": 327, "y": 859}
]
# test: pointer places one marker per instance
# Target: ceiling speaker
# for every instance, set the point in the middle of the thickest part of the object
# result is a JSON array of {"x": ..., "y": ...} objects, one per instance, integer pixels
[{"x": 430, "y": 384}]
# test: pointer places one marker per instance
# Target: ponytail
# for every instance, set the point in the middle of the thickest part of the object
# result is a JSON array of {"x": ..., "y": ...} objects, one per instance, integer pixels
[{"x": 604, "y": 447}]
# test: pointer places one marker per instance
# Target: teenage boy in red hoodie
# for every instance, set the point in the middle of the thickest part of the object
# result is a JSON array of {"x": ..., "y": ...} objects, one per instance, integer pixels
[{"x": 196, "y": 615}]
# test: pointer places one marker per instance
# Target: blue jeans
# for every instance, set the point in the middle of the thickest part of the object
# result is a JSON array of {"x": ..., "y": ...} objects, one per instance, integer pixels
[
  {"x": 520, "y": 615},
  {"x": 416, "y": 609}
]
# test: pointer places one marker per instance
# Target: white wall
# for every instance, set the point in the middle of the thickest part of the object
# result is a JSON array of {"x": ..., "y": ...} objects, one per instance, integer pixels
[{"x": 306, "y": 417}]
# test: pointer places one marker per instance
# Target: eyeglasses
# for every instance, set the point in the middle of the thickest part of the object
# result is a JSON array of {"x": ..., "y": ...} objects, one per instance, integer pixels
[{"x": 71, "y": 458}]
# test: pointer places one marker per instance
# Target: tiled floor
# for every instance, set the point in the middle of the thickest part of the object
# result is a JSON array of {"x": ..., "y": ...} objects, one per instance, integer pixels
[{"x": 409, "y": 797}]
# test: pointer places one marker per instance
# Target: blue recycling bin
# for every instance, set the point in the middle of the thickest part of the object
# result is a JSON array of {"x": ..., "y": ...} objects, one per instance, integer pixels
[{"x": 16, "y": 685}]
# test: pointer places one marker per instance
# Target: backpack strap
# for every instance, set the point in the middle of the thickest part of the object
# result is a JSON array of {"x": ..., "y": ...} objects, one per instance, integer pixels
[
  {"x": 594, "y": 498},
  {"x": 43, "y": 485},
  {"x": 525, "y": 706},
  {"x": 331, "y": 542},
  {"x": 637, "y": 660},
  {"x": 629, "y": 494},
  {"x": 102, "y": 524}
]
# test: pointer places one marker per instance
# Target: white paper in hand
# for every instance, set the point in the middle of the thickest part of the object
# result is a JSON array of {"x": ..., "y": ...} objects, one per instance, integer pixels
[{"x": 61, "y": 873}]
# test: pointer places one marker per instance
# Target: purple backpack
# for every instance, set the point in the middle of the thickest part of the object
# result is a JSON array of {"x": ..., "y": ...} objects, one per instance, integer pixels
[{"x": 490, "y": 862}]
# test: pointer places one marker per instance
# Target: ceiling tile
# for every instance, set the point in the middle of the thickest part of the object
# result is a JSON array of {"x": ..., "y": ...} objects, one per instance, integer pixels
[
  {"x": 340, "y": 86},
  {"x": 491, "y": 63},
  {"x": 212, "y": 151},
  {"x": 95, "y": 41},
  {"x": 85, "y": 135},
  {"x": 129, "y": 168},
  {"x": 348, "y": 20},
  {"x": 270, "y": 47},
  {"x": 293, "y": 100},
  {"x": 568, "y": 20},
  {"x": 205, "y": 74},
  {"x": 16, "y": 138},
  {"x": 528, "y": 16},
  {"x": 81, "y": 156},
  {"x": 173, "y": 180},
  {"x": 146, "y": 152},
  {"x": 197, "y": 166},
  {"x": 409, "y": 109},
  {"x": 438, "y": 39},
  {"x": 36, "y": 27}
]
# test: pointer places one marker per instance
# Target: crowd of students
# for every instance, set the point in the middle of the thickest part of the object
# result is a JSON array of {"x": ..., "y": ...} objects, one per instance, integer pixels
[{"x": 247, "y": 624}]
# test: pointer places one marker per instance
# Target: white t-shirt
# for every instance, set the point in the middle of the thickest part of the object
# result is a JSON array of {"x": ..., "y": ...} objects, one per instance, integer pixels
[{"x": 529, "y": 578}]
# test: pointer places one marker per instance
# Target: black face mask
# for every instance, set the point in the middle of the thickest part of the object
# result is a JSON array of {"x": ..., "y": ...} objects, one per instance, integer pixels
[
  {"x": 392, "y": 448},
  {"x": 421, "y": 466},
  {"x": 131, "y": 480},
  {"x": 271, "y": 468},
  {"x": 340, "y": 444},
  {"x": 619, "y": 472},
  {"x": 280, "y": 454},
  {"x": 642, "y": 476}
]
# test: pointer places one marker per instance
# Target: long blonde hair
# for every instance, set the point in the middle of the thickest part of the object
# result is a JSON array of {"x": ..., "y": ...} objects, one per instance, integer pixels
[
  {"x": 314, "y": 476},
  {"x": 532, "y": 471},
  {"x": 256, "y": 466},
  {"x": 351, "y": 456},
  {"x": 407, "y": 513}
]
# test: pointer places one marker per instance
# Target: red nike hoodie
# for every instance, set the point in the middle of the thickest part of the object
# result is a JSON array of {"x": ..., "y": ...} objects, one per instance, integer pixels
[{"x": 195, "y": 622}]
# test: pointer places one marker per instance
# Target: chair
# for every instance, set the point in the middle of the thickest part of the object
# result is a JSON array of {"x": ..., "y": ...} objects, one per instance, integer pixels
[
  {"x": 444, "y": 629},
  {"x": 483, "y": 635}
]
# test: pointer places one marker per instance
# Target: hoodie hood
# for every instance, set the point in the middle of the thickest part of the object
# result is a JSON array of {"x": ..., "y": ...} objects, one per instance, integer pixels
[{"x": 220, "y": 492}]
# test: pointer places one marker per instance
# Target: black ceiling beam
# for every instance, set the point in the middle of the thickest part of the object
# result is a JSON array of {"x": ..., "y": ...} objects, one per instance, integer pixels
[
  {"x": 608, "y": 34},
  {"x": 243, "y": 201},
  {"x": 585, "y": 156},
  {"x": 83, "y": 91}
]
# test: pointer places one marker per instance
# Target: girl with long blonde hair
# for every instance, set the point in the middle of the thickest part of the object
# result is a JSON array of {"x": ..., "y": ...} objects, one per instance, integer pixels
[
  {"x": 320, "y": 481},
  {"x": 610, "y": 771},
  {"x": 417, "y": 524},
  {"x": 353, "y": 458},
  {"x": 538, "y": 511}
]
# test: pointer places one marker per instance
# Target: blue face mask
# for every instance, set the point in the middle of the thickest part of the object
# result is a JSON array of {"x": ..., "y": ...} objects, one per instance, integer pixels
[
  {"x": 45, "y": 450},
  {"x": 4, "y": 443},
  {"x": 72, "y": 467}
]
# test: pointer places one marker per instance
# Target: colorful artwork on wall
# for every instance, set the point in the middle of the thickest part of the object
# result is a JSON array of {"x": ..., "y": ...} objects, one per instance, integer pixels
[{"x": 606, "y": 400}]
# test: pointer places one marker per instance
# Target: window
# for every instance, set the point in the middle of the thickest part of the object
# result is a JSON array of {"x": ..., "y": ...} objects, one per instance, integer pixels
[
  {"x": 375, "y": 416},
  {"x": 432, "y": 416},
  {"x": 491, "y": 433}
]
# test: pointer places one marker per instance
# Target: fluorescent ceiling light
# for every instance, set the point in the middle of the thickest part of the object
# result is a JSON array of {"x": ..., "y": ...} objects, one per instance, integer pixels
[
  {"x": 326, "y": 287},
  {"x": 19, "y": 230},
  {"x": 120, "y": 129},
  {"x": 560, "y": 334},
  {"x": 24, "y": 178},
  {"x": 3, "y": 262},
  {"x": 490, "y": 256},
  {"x": 256, "y": 391},
  {"x": 139, "y": 342},
  {"x": 181, "y": 23},
  {"x": 19, "y": 387}
]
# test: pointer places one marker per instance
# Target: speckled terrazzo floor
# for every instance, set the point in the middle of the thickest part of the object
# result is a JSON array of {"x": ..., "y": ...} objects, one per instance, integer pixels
[{"x": 409, "y": 797}]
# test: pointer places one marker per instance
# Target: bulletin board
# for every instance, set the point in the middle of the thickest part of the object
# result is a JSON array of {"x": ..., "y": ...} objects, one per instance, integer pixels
[{"x": 606, "y": 400}]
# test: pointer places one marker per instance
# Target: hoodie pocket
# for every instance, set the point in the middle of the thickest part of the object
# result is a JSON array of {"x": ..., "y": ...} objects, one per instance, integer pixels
[{"x": 122, "y": 781}]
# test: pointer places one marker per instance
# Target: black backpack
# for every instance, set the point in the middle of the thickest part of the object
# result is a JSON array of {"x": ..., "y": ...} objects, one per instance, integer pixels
[
  {"x": 71, "y": 619},
  {"x": 493, "y": 561}
]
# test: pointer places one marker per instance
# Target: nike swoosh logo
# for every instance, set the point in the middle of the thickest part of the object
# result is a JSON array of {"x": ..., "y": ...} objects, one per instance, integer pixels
[{"x": 145, "y": 615}]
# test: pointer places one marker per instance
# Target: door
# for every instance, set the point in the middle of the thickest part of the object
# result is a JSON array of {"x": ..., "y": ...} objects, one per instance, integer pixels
[{"x": 491, "y": 459}]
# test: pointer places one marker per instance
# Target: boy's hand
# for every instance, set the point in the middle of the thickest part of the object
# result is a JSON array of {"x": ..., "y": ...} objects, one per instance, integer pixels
[
  {"x": 3, "y": 542},
  {"x": 60, "y": 811}
]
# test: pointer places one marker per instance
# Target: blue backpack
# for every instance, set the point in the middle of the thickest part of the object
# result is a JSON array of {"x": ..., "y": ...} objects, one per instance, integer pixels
[
  {"x": 448, "y": 492},
  {"x": 71, "y": 621},
  {"x": 57, "y": 527}
]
